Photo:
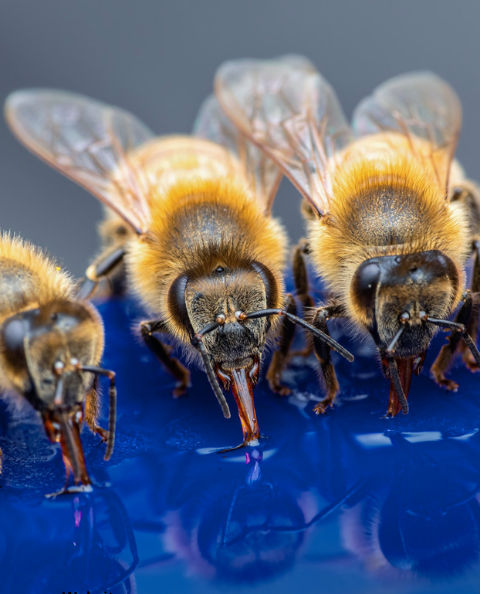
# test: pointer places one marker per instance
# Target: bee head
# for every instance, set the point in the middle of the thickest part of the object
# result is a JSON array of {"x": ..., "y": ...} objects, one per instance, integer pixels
[
  {"x": 37, "y": 342},
  {"x": 43, "y": 349},
  {"x": 394, "y": 292},
  {"x": 213, "y": 308}
]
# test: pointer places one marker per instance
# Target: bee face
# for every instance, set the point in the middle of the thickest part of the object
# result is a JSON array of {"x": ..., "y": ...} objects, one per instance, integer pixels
[
  {"x": 222, "y": 296},
  {"x": 37, "y": 341},
  {"x": 391, "y": 291}
]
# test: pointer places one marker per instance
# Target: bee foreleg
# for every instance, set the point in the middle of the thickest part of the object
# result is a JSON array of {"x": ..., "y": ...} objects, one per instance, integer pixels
[
  {"x": 472, "y": 325},
  {"x": 162, "y": 352},
  {"x": 447, "y": 352},
  {"x": 103, "y": 265},
  {"x": 322, "y": 352},
  {"x": 300, "y": 278},
  {"x": 92, "y": 410},
  {"x": 92, "y": 407},
  {"x": 280, "y": 356}
]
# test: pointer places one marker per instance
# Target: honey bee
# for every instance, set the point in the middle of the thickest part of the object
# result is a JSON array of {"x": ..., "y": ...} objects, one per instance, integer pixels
[
  {"x": 201, "y": 249},
  {"x": 51, "y": 343},
  {"x": 391, "y": 218}
]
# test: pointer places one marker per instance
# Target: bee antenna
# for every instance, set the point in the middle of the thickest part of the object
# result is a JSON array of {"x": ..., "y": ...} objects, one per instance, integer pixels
[
  {"x": 197, "y": 342},
  {"x": 456, "y": 327},
  {"x": 397, "y": 383},
  {"x": 391, "y": 347},
  {"x": 59, "y": 391},
  {"x": 60, "y": 387},
  {"x": 262, "y": 313}
]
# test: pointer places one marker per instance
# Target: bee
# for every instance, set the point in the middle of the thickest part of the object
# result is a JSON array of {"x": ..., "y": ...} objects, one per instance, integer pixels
[
  {"x": 391, "y": 221},
  {"x": 51, "y": 343},
  {"x": 201, "y": 249}
]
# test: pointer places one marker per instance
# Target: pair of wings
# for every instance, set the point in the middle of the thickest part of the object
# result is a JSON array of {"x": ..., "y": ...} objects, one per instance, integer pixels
[
  {"x": 282, "y": 117},
  {"x": 94, "y": 144},
  {"x": 289, "y": 110}
]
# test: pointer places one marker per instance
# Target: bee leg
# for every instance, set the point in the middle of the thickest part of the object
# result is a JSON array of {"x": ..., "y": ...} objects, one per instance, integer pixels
[
  {"x": 472, "y": 325},
  {"x": 92, "y": 410},
  {"x": 281, "y": 355},
  {"x": 300, "y": 278},
  {"x": 322, "y": 352},
  {"x": 92, "y": 407},
  {"x": 103, "y": 265},
  {"x": 447, "y": 352},
  {"x": 162, "y": 352}
]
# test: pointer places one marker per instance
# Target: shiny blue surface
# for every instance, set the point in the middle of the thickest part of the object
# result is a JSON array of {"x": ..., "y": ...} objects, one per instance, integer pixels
[{"x": 349, "y": 502}]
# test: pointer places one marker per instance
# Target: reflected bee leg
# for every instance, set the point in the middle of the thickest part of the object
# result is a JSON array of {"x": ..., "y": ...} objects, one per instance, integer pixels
[
  {"x": 162, "y": 352},
  {"x": 280, "y": 356},
  {"x": 300, "y": 278},
  {"x": 322, "y": 352},
  {"x": 447, "y": 352},
  {"x": 101, "y": 267}
]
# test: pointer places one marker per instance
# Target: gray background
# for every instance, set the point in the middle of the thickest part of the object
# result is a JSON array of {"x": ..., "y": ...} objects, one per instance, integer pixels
[{"x": 157, "y": 59}]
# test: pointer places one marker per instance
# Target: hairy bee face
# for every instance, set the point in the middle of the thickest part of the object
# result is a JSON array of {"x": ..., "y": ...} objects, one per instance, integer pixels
[
  {"x": 236, "y": 343},
  {"x": 395, "y": 291},
  {"x": 37, "y": 341}
]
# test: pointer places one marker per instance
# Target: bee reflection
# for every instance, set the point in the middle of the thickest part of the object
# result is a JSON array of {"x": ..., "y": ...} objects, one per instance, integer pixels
[
  {"x": 421, "y": 519},
  {"x": 87, "y": 544},
  {"x": 241, "y": 520}
]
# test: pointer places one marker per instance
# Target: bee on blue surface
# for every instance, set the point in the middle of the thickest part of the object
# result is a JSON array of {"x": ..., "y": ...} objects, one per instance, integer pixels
[
  {"x": 391, "y": 219},
  {"x": 51, "y": 343},
  {"x": 191, "y": 219}
]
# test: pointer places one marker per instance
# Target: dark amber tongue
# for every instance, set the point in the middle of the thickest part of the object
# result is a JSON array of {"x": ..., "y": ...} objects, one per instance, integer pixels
[
  {"x": 405, "y": 371},
  {"x": 69, "y": 438},
  {"x": 242, "y": 388}
]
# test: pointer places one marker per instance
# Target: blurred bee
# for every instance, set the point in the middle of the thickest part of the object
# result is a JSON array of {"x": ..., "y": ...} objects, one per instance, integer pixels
[
  {"x": 51, "y": 343},
  {"x": 194, "y": 228},
  {"x": 392, "y": 220}
]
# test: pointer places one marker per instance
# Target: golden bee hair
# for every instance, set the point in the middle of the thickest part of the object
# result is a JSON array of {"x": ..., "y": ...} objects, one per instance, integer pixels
[
  {"x": 423, "y": 220},
  {"x": 248, "y": 235}
]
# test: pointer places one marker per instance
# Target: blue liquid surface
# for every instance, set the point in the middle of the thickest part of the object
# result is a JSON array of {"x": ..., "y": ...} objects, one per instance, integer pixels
[{"x": 348, "y": 502}]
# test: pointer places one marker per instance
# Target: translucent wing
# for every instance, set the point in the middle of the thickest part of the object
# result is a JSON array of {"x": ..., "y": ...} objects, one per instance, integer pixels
[
  {"x": 260, "y": 171},
  {"x": 88, "y": 142},
  {"x": 422, "y": 108},
  {"x": 288, "y": 110}
]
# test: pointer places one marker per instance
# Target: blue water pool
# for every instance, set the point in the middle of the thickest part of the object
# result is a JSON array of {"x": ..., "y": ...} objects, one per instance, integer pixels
[{"x": 349, "y": 502}]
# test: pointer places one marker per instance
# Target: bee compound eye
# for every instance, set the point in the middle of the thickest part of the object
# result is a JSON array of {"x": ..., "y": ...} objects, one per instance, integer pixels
[
  {"x": 367, "y": 277},
  {"x": 14, "y": 335},
  {"x": 364, "y": 284}
]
